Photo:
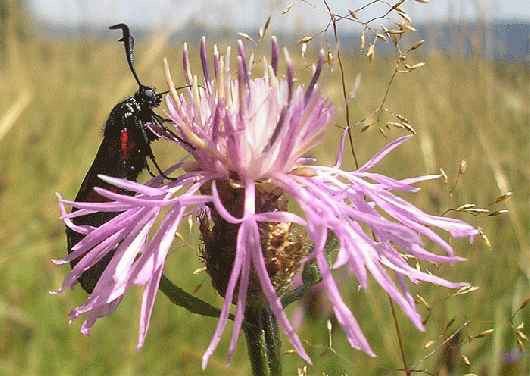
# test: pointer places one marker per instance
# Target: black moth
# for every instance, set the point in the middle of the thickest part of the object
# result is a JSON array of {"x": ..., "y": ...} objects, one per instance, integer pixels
[{"x": 123, "y": 153}]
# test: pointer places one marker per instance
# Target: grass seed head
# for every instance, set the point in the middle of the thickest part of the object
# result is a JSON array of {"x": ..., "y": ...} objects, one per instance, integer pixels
[
  {"x": 502, "y": 197},
  {"x": 371, "y": 52},
  {"x": 288, "y": 8},
  {"x": 417, "y": 45},
  {"x": 304, "y": 40},
  {"x": 463, "y": 166},
  {"x": 363, "y": 41}
]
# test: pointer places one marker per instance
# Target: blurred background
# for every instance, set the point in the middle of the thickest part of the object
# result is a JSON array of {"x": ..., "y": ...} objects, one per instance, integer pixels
[{"x": 62, "y": 71}]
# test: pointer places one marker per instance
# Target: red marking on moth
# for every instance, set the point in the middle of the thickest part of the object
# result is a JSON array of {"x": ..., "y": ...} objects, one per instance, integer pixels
[{"x": 124, "y": 143}]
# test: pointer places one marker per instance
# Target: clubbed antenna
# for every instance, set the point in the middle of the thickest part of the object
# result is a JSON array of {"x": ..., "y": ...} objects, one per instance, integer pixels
[{"x": 128, "y": 42}]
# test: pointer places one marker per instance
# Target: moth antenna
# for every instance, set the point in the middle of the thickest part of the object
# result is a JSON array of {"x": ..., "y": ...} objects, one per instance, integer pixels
[{"x": 128, "y": 43}]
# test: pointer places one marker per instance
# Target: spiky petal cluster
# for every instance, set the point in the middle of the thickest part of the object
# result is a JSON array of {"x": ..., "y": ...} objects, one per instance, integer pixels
[{"x": 251, "y": 132}]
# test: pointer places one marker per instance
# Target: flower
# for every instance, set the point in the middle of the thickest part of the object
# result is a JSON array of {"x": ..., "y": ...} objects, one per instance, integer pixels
[{"x": 249, "y": 137}]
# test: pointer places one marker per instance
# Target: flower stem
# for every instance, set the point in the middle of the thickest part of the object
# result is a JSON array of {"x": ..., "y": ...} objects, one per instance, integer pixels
[
  {"x": 186, "y": 300},
  {"x": 263, "y": 342}
]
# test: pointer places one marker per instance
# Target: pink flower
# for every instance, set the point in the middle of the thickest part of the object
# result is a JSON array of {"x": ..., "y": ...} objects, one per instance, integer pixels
[{"x": 249, "y": 136}]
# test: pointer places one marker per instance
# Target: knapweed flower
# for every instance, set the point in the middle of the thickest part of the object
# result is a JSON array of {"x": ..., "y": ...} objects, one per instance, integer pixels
[{"x": 249, "y": 136}]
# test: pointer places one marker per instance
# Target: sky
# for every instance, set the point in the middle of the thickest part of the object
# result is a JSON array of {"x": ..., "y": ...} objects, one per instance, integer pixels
[{"x": 251, "y": 14}]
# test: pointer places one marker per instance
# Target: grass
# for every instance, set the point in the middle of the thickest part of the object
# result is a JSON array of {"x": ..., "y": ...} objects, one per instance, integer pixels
[{"x": 56, "y": 95}]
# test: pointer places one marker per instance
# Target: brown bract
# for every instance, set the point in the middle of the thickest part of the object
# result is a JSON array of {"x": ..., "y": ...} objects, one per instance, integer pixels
[{"x": 281, "y": 249}]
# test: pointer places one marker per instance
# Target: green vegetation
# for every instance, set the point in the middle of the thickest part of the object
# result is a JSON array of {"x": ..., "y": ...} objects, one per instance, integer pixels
[{"x": 55, "y": 97}]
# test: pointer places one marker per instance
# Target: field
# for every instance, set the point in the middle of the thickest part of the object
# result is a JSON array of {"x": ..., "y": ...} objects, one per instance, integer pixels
[{"x": 55, "y": 97}]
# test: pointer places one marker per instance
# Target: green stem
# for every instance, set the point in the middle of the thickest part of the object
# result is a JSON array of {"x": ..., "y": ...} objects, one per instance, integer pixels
[
  {"x": 186, "y": 300},
  {"x": 263, "y": 342}
]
